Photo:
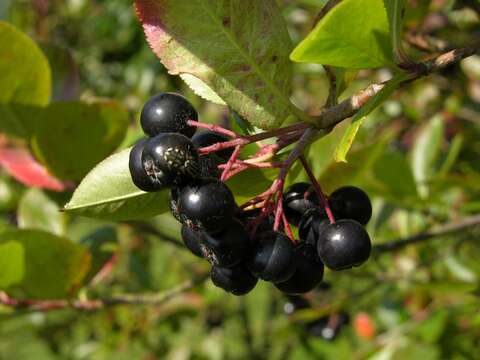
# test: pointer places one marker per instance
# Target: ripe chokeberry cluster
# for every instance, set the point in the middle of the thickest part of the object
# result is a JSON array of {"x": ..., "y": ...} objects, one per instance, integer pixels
[{"x": 252, "y": 241}]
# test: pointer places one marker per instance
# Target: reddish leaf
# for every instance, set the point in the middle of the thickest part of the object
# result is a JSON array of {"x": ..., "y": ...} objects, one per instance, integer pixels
[
  {"x": 25, "y": 169},
  {"x": 364, "y": 326}
]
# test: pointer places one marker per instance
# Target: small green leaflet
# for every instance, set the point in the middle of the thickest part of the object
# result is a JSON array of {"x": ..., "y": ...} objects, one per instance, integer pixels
[
  {"x": 108, "y": 192},
  {"x": 349, "y": 136},
  {"x": 355, "y": 34}
]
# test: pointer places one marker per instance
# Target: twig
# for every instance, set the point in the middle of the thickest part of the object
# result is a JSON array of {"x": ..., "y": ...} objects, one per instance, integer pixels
[
  {"x": 149, "y": 229},
  {"x": 347, "y": 108},
  {"x": 439, "y": 231},
  {"x": 154, "y": 299}
]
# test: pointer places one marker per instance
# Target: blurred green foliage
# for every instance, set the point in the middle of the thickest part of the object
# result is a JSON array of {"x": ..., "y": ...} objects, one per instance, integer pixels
[{"x": 417, "y": 156}]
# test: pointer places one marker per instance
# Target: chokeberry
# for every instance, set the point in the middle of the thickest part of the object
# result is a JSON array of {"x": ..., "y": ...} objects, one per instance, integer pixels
[
  {"x": 328, "y": 327},
  {"x": 168, "y": 112},
  {"x": 311, "y": 224},
  {"x": 207, "y": 204},
  {"x": 295, "y": 203},
  {"x": 295, "y": 303},
  {"x": 343, "y": 244},
  {"x": 237, "y": 280},
  {"x": 193, "y": 241},
  {"x": 272, "y": 258},
  {"x": 170, "y": 159},
  {"x": 207, "y": 138},
  {"x": 137, "y": 171},
  {"x": 350, "y": 202},
  {"x": 308, "y": 271},
  {"x": 228, "y": 247}
]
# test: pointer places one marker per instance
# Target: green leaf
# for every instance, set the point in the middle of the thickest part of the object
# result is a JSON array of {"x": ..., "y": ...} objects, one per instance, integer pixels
[
  {"x": 351, "y": 132},
  {"x": 37, "y": 211},
  {"x": 69, "y": 138},
  {"x": 12, "y": 263},
  {"x": 236, "y": 49},
  {"x": 108, "y": 192},
  {"x": 425, "y": 153},
  {"x": 250, "y": 183},
  {"x": 24, "y": 71},
  {"x": 396, "y": 13},
  {"x": 41, "y": 265},
  {"x": 354, "y": 34}
]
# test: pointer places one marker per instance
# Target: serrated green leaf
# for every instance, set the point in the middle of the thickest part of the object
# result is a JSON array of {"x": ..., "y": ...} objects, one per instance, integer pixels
[
  {"x": 351, "y": 132},
  {"x": 108, "y": 192},
  {"x": 47, "y": 266},
  {"x": 24, "y": 70},
  {"x": 354, "y": 34},
  {"x": 238, "y": 48},
  {"x": 425, "y": 153},
  {"x": 37, "y": 211}
]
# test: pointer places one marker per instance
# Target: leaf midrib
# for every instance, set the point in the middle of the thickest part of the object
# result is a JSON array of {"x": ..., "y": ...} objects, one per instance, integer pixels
[{"x": 246, "y": 56}]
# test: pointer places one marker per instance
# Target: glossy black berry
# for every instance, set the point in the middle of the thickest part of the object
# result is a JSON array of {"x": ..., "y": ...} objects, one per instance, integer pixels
[
  {"x": 343, "y": 244},
  {"x": 237, "y": 280},
  {"x": 137, "y": 172},
  {"x": 168, "y": 112},
  {"x": 308, "y": 271},
  {"x": 295, "y": 204},
  {"x": 350, "y": 202},
  {"x": 328, "y": 327},
  {"x": 228, "y": 247},
  {"x": 207, "y": 205},
  {"x": 170, "y": 159},
  {"x": 250, "y": 217},
  {"x": 272, "y": 258},
  {"x": 310, "y": 225},
  {"x": 207, "y": 138},
  {"x": 193, "y": 241}
]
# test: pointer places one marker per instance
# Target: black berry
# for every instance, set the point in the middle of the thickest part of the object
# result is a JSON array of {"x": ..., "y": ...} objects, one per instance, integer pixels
[
  {"x": 308, "y": 271},
  {"x": 207, "y": 138},
  {"x": 193, "y": 241},
  {"x": 295, "y": 303},
  {"x": 207, "y": 204},
  {"x": 137, "y": 172},
  {"x": 311, "y": 224},
  {"x": 295, "y": 204},
  {"x": 228, "y": 247},
  {"x": 273, "y": 258},
  {"x": 168, "y": 112},
  {"x": 343, "y": 244},
  {"x": 170, "y": 159},
  {"x": 208, "y": 167},
  {"x": 237, "y": 280},
  {"x": 350, "y": 202}
]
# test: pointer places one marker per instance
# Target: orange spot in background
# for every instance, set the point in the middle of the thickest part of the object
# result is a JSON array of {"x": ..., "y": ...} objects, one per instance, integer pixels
[{"x": 364, "y": 326}]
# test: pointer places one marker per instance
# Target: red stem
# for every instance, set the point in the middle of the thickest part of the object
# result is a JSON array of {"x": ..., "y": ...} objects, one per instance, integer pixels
[
  {"x": 318, "y": 189},
  {"x": 212, "y": 127},
  {"x": 230, "y": 162}
]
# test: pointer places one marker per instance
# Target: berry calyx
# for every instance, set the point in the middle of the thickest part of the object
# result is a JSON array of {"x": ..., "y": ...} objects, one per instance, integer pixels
[
  {"x": 350, "y": 202},
  {"x": 207, "y": 204},
  {"x": 137, "y": 171},
  {"x": 273, "y": 257},
  {"x": 295, "y": 204},
  {"x": 227, "y": 248},
  {"x": 343, "y": 244},
  {"x": 170, "y": 159},
  {"x": 207, "y": 138},
  {"x": 168, "y": 112},
  {"x": 308, "y": 271},
  {"x": 193, "y": 241},
  {"x": 237, "y": 280}
]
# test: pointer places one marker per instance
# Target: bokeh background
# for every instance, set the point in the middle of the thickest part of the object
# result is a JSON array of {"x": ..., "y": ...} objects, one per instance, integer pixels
[{"x": 417, "y": 157}]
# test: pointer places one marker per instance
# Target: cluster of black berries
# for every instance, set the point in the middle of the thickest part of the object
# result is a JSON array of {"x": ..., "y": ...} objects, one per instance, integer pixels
[
  {"x": 215, "y": 229},
  {"x": 341, "y": 244}
]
